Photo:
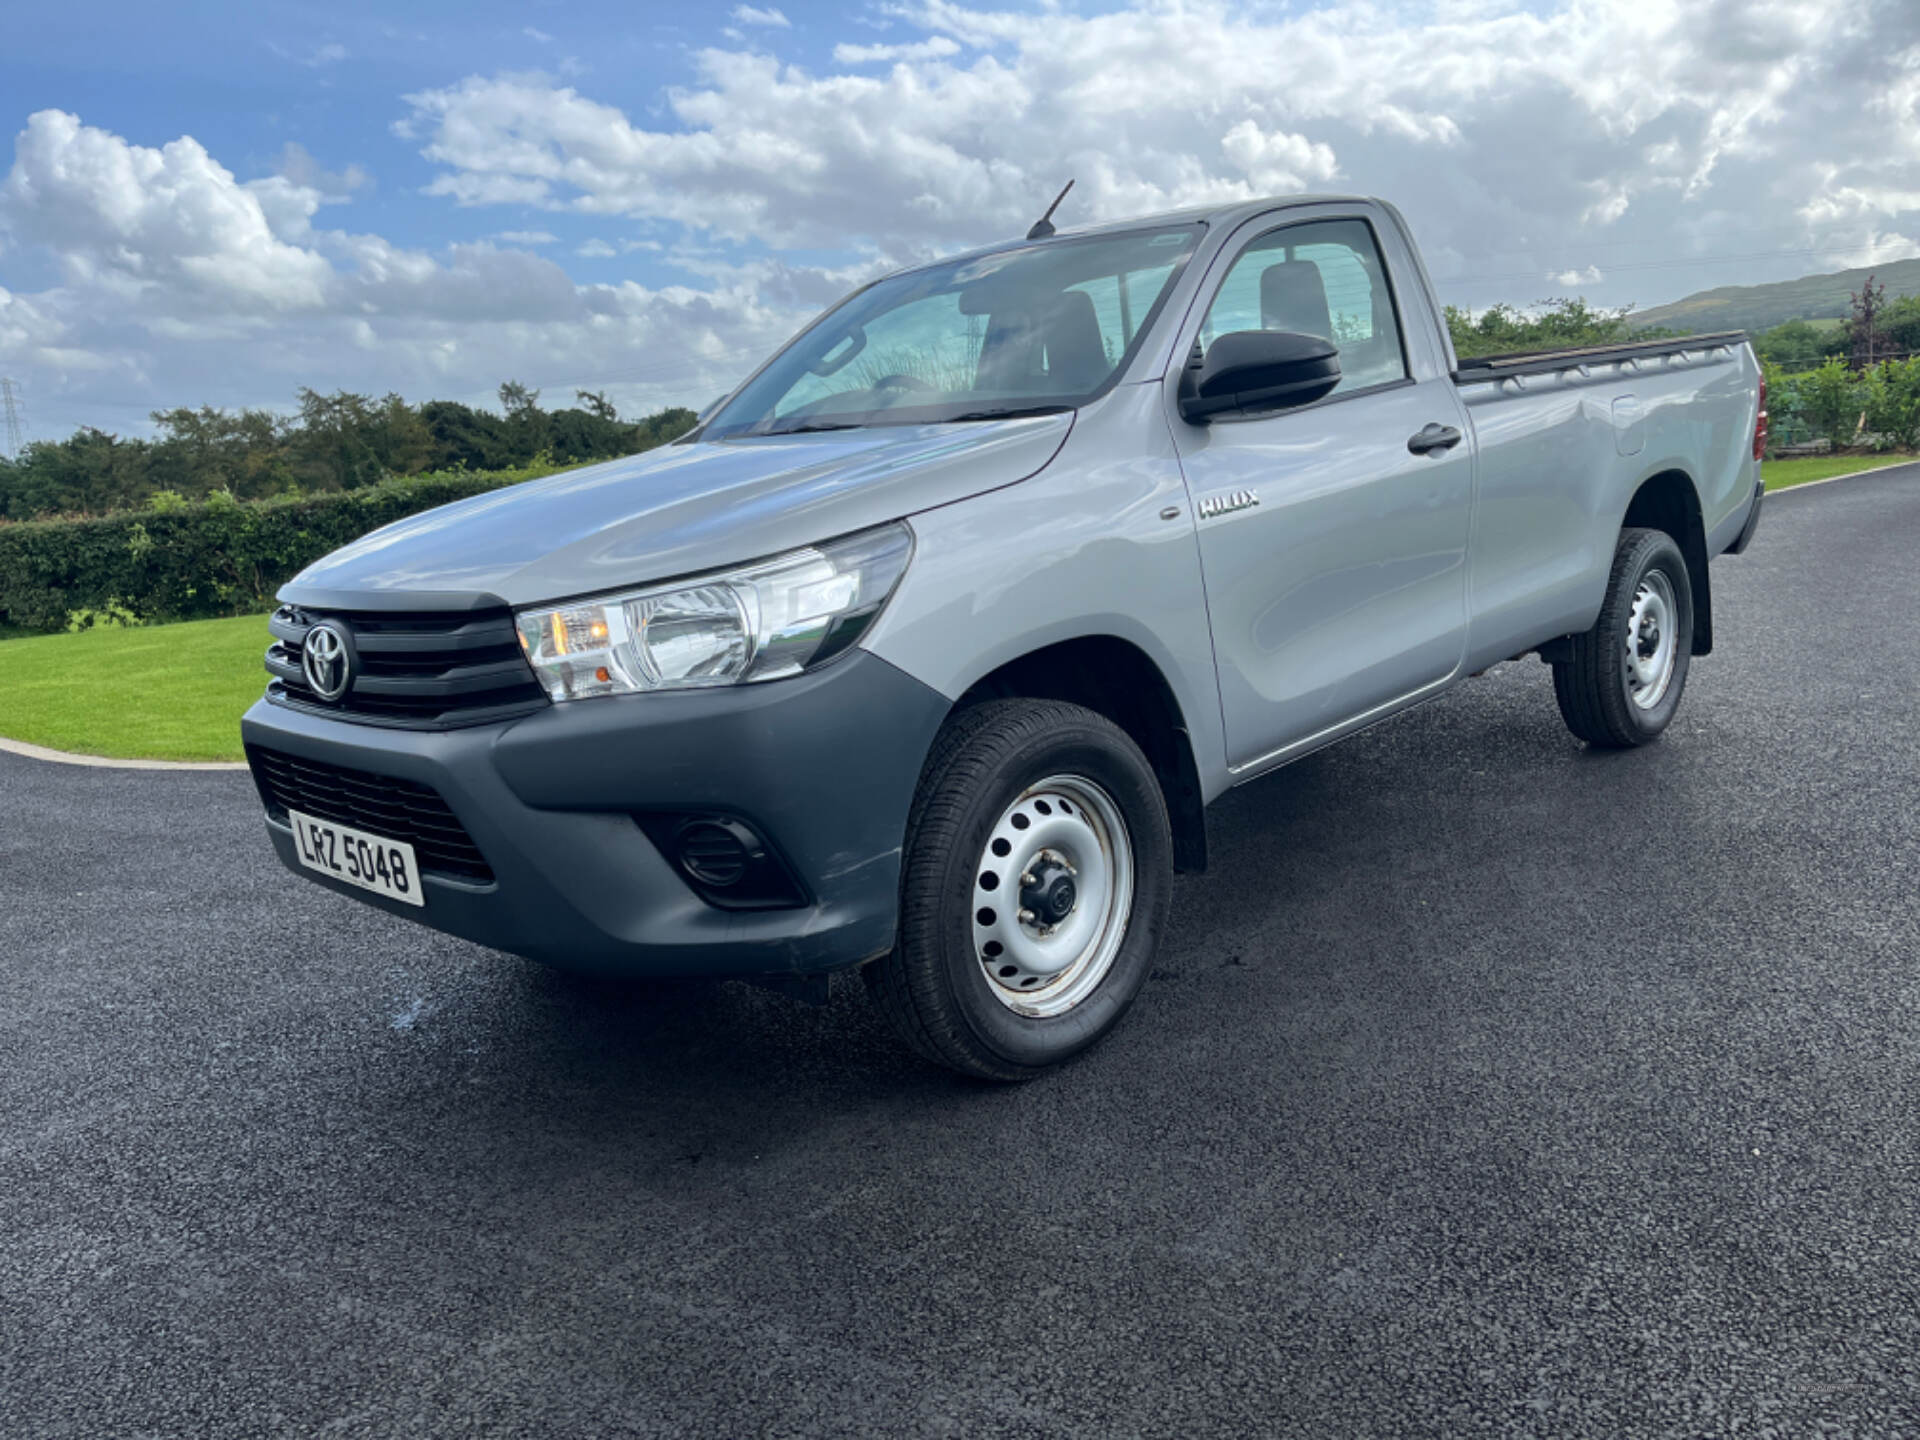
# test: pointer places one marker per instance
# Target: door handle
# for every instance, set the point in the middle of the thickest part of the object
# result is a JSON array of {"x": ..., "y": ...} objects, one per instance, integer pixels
[{"x": 1434, "y": 437}]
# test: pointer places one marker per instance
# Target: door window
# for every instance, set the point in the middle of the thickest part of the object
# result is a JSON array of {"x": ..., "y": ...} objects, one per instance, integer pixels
[{"x": 1322, "y": 278}]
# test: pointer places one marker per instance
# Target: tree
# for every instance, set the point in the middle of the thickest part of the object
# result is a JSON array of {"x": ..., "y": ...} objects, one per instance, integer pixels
[
  {"x": 1798, "y": 345},
  {"x": 200, "y": 451},
  {"x": 89, "y": 473},
  {"x": 340, "y": 441},
  {"x": 1899, "y": 326},
  {"x": 466, "y": 437},
  {"x": 346, "y": 441},
  {"x": 597, "y": 405},
  {"x": 1865, "y": 342},
  {"x": 526, "y": 428},
  {"x": 664, "y": 426}
]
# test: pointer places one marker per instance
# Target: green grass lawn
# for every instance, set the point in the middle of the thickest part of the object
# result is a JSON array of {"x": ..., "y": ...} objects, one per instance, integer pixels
[
  {"x": 160, "y": 692},
  {"x": 1782, "y": 473}
]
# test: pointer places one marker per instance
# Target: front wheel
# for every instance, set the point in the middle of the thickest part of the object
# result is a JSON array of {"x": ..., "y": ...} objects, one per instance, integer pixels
[
  {"x": 1621, "y": 681},
  {"x": 1035, "y": 884}
]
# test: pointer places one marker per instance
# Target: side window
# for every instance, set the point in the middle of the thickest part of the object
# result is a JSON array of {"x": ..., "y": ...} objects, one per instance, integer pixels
[{"x": 1322, "y": 278}]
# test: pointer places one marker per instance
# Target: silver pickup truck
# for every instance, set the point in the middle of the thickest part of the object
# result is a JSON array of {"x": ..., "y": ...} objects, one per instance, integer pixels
[{"x": 926, "y": 651}]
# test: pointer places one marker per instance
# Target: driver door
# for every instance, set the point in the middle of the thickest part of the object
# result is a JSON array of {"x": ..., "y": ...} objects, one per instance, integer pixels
[{"x": 1334, "y": 556}]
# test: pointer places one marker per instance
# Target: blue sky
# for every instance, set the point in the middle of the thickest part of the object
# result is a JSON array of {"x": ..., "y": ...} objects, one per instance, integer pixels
[
  {"x": 220, "y": 203},
  {"x": 245, "y": 80}
]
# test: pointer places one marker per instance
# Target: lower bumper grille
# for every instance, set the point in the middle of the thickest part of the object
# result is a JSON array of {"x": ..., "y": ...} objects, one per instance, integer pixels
[{"x": 381, "y": 804}]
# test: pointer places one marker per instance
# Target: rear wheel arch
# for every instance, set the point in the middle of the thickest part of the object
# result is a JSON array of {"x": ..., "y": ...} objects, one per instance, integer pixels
[
  {"x": 1116, "y": 678},
  {"x": 1670, "y": 501}
]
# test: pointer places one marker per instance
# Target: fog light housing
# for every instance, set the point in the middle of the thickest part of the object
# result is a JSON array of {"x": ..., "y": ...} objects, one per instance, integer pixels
[{"x": 725, "y": 860}]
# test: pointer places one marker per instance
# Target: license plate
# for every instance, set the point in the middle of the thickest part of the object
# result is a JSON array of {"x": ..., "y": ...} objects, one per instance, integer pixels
[{"x": 372, "y": 862}]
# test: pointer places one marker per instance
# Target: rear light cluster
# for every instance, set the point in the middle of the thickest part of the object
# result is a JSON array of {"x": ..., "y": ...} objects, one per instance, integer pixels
[{"x": 1760, "y": 424}]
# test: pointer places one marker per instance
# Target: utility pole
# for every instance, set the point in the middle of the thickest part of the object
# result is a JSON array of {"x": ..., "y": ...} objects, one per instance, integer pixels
[{"x": 10, "y": 402}]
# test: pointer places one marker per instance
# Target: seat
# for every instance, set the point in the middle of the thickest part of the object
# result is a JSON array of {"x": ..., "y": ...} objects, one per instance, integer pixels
[
  {"x": 1006, "y": 355},
  {"x": 1076, "y": 355},
  {"x": 1293, "y": 296},
  {"x": 1065, "y": 337}
]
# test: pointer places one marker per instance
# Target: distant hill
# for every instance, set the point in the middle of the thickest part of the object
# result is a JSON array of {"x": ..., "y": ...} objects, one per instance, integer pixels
[{"x": 1754, "y": 308}]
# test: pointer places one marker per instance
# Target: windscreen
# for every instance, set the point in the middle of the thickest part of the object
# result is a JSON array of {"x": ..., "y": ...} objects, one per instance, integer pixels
[{"x": 1022, "y": 331}]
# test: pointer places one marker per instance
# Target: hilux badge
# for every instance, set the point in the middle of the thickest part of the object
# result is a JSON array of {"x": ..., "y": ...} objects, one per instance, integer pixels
[
  {"x": 1226, "y": 504},
  {"x": 323, "y": 659}
]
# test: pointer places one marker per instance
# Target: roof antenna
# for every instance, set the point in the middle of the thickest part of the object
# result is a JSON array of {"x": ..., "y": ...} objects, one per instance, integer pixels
[{"x": 1043, "y": 227}]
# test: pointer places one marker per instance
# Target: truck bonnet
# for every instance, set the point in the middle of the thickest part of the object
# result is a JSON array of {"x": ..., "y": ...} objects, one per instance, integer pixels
[{"x": 675, "y": 511}]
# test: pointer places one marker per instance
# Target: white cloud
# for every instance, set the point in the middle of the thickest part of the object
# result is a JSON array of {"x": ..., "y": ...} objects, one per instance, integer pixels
[
  {"x": 1521, "y": 128},
  {"x": 302, "y": 170},
  {"x": 596, "y": 250},
  {"x": 1636, "y": 150},
  {"x": 1878, "y": 249},
  {"x": 539, "y": 37},
  {"x": 169, "y": 224},
  {"x": 181, "y": 284},
  {"x": 329, "y": 54},
  {"x": 939, "y": 47},
  {"x": 1276, "y": 162}
]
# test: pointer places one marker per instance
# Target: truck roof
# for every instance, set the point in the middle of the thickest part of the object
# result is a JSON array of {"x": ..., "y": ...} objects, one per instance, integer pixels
[
  {"x": 1213, "y": 214},
  {"x": 1224, "y": 216}
]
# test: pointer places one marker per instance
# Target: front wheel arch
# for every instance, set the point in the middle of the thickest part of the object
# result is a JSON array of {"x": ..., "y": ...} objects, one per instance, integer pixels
[{"x": 1116, "y": 678}]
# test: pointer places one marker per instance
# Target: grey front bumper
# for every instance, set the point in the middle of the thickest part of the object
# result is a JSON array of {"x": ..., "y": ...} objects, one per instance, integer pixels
[{"x": 824, "y": 765}]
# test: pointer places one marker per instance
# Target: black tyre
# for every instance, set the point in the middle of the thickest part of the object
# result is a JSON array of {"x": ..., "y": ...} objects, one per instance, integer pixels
[
  {"x": 1035, "y": 885},
  {"x": 1622, "y": 681}
]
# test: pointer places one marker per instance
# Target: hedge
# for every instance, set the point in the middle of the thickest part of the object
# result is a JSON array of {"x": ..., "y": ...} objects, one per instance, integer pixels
[{"x": 218, "y": 557}]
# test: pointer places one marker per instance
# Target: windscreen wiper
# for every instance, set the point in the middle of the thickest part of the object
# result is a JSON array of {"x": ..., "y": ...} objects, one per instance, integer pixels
[
  {"x": 1012, "y": 412},
  {"x": 813, "y": 427}
]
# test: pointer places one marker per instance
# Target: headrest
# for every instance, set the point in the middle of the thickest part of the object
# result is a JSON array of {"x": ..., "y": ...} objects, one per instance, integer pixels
[
  {"x": 1294, "y": 297},
  {"x": 1076, "y": 357}
]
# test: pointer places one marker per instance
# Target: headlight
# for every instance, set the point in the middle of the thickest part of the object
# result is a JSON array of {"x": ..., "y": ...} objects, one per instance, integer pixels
[{"x": 756, "y": 623}]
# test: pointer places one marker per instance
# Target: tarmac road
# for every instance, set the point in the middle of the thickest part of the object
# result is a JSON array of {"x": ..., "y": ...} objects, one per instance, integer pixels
[{"x": 1487, "y": 1086}]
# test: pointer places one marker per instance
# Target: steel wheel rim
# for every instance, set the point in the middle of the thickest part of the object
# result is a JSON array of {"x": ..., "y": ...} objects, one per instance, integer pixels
[
  {"x": 1653, "y": 640},
  {"x": 1065, "y": 826}
]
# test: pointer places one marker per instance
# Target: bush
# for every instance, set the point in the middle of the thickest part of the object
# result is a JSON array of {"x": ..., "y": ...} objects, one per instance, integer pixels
[
  {"x": 1893, "y": 403},
  {"x": 220, "y": 556},
  {"x": 1829, "y": 400},
  {"x": 1554, "y": 324},
  {"x": 111, "y": 616}
]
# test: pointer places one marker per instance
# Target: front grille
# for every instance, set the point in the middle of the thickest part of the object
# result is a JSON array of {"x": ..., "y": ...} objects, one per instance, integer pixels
[
  {"x": 380, "y": 804},
  {"x": 422, "y": 670}
]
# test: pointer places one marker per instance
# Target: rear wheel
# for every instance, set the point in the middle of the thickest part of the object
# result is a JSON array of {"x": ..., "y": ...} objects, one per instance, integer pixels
[
  {"x": 1037, "y": 875},
  {"x": 1621, "y": 681}
]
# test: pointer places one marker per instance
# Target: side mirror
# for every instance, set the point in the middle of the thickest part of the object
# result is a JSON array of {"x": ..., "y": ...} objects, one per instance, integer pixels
[{"x": 1252, "y": 370}]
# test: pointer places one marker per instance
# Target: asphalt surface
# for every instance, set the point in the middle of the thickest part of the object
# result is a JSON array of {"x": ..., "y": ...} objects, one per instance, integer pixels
[{"x": 1486, "y": 1086}]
